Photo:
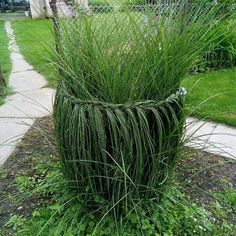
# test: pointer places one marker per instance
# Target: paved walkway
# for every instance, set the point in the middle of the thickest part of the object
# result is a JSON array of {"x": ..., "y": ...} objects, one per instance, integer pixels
[
  {"x": 211, "y": 137},
  {"x": 13, "y": 16},
  {"x": 30, "y": 100}
]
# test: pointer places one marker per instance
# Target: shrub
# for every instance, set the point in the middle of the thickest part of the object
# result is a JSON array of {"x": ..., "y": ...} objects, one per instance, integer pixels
[
  {"x": 221, "y": 53},
  {"x": 118, "y": 115}
]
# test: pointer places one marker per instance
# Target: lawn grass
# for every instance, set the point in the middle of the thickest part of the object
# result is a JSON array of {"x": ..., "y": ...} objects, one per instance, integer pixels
[
  {"x": 5, "y": 61},
  {"x": 36, "y": 43},
  {"x": 212, "y": 96},
  {"x": 218, "y": 86}
]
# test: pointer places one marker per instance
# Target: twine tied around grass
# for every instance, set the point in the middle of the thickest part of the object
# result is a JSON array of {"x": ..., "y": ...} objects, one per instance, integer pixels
[{"x": 179, "y": 95}]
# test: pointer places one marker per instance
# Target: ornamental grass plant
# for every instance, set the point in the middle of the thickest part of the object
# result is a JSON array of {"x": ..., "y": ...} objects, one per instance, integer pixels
[{"x": 118, "y": 109}]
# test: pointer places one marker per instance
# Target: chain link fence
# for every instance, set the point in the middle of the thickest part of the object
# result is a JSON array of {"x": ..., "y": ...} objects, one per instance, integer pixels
[
  {"x": 69, "y": 9},
  {"x": 220, "y": 53}
]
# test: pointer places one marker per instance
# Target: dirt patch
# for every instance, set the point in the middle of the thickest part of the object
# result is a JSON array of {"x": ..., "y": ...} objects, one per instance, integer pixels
[
  {"x": 205, "y": 172},
  {"x": 203, "y": 175},
  {"x": 200, "y": 173},
  {"x": 36, "y": 147}
]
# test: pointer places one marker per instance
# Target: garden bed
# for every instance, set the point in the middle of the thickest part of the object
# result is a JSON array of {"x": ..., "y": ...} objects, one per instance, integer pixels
[
  {"x": 208, "y": 180},
  {"x": 30, "y": 153}
]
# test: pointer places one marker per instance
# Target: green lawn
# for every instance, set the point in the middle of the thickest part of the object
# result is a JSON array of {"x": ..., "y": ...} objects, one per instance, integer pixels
[
  {"x": 5, "y": 61},
  {"x": 213, "y": 95},
  {"x": 217, "y": 88},
  {"x": 36, "y": 44}
]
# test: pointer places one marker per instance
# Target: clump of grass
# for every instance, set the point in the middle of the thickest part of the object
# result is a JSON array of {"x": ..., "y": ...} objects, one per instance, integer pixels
[
  {"x": 117, "y": 115},
  {"x": 125, "y": 56},
  {"x": 5, "y": 62}
]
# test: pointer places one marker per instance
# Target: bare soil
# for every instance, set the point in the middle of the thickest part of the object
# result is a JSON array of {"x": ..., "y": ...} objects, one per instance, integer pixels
[{"x": 36, "y": 147}]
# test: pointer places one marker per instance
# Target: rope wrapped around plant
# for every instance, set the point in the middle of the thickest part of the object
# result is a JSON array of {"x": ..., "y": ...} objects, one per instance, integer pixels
[{"x": 118, "y": 150}]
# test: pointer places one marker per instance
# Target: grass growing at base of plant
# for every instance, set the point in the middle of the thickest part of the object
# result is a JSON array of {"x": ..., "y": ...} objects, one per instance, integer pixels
[
  {"x": 5, "y": 62},
  {"x": 65, "y": 214},
  {"x": 216, "y": 91},
  {"x": 35, "y": 39},
  {"x": 227, "y": 196}
]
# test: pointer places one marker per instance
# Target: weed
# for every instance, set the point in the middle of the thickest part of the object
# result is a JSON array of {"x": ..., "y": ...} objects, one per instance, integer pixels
[
  {"x": 16, "y": 222},
  {"x": 24, "y": 183}
]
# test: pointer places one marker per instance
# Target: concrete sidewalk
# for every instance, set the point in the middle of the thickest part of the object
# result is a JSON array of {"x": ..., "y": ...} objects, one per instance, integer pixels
[
  {"x": 211, "y": 137},
  {"x": 30, "y": 100}
]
